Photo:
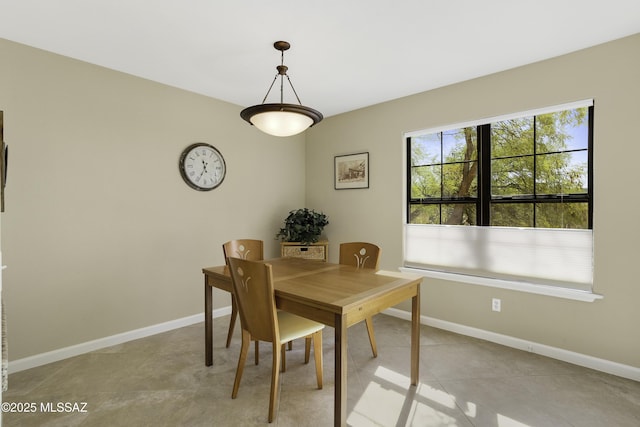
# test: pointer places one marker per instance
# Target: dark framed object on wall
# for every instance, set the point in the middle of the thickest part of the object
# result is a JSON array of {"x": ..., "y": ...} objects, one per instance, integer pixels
[
  {"x": 3, "y": 162},
  {"x": 351, "y": 171}
]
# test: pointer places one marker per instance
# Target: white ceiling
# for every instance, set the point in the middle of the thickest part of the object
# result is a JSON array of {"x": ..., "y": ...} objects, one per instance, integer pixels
[{"x": 345, "y": 54}]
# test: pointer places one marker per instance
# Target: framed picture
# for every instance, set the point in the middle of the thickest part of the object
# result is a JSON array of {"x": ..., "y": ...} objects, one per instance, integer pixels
[
  {"x": 351, "y": 171},
  {"x": 3, "y": 162}
]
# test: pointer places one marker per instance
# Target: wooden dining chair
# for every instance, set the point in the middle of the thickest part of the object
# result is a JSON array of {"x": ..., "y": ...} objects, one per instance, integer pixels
[
  {"x": 253, "y": 285},
  {"x": 362, "y": 255},
  {"x": 250, "y": 249}
]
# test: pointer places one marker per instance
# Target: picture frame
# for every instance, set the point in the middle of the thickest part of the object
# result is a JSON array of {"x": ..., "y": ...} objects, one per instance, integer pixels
[
  {"x": 3, "y": 162},
  {"x": 351, "y": 171}
]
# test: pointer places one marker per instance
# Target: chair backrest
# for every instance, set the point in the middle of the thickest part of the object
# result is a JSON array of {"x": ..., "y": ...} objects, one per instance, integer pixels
[
  {"x": 360, "y": 254},
  {"x": 252, "y": 283},
  {"x": 244, "y": 249}
]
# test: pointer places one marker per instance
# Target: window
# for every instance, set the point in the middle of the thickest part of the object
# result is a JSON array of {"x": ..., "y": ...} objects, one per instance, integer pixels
[
  {"x": 507, "y": 199},
  {"x": 533, "y": 171}
]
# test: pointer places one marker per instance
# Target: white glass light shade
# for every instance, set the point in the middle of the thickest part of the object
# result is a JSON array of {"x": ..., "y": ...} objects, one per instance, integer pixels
[
  {"x": 281, "y": 123},
  {"x": 281, "y": 119}
]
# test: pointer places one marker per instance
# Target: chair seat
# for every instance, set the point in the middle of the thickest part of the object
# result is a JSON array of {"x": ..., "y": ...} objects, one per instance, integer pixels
[{"x": 293, "y": 327}]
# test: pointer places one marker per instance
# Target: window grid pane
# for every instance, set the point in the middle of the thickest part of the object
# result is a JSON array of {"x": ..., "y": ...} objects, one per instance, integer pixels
[
  {"x": 562, "y": 215},
  {"x": 424, "y": 214},
  {"x": 512, "y": 215},
  {"x": 426, "y": 182},
  {"x": 459, "y": 214},
  {"x": 459, "y": 181},
  {"x": 512, "y": 176}
]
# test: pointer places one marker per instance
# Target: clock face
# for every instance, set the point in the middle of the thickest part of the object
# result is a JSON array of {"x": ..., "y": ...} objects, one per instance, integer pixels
[{"x": 202, "y": 166}]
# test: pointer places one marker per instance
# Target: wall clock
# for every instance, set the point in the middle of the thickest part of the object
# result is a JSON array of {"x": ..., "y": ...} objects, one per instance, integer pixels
[{"x": 202, "y": 166}]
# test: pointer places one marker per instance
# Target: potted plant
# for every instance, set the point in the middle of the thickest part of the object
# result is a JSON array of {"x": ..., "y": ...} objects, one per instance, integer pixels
[{"x": 303, "y": 225}]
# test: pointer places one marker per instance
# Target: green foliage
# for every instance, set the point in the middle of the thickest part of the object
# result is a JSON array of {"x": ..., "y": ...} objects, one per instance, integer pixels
[{"x": 303, "y": 225}]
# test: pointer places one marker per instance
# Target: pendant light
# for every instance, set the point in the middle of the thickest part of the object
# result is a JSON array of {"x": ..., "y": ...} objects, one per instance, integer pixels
[{"x": 281, "y": 119}]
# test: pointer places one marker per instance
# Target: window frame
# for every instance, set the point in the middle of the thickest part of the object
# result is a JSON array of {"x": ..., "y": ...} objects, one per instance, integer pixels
[{"x": 484, "y": 199}]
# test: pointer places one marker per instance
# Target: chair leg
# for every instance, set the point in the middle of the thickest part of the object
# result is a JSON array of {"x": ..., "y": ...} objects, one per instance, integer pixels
[
  {"x": 232, "y": 321},
  {"x": 307, "y": 349},
  {"x": 275, "y": 380},
  {"x": 372, "y": 337},
  {"x": 246, "y": 341},
  {"x": 283, "y": 356},
  {"x": 317, "y": 354},
  {"x": 257, "y": 352}
]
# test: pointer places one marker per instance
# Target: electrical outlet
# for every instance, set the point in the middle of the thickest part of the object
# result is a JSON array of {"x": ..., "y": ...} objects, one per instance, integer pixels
[{"x": 496, "y": 304}]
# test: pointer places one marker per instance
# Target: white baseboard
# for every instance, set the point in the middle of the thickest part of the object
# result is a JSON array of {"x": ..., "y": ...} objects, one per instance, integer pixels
[
  {"x": 591, "y": 362},
  {"x": 602, "y": 365},
  {"x": 75, "y": 350}
]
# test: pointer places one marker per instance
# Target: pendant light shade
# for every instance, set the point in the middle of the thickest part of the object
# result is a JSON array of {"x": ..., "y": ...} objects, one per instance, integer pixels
[{"x": 281, "y": 119}]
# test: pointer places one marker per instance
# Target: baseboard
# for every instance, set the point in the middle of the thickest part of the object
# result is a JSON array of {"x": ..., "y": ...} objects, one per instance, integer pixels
[
  {"x": 75, "y": 350},
  {"x": 591, "y": 362},
  {"x": 602, "y": 365}
]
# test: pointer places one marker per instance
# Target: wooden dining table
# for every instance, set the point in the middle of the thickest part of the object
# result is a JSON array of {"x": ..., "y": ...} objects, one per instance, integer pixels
[{"x": 335, "y": 295}]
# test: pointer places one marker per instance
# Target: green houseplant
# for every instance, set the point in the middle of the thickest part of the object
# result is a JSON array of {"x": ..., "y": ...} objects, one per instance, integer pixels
[{"x": 303, "y": 225}]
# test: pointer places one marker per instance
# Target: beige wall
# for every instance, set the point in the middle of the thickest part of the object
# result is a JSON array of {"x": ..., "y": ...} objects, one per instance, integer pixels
[
  {"x": 609, "y": 74},
  {"x": 100, "y": 233}
]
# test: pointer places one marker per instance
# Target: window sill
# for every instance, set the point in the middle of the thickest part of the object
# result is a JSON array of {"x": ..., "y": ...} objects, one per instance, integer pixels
[{"x": 572, "y": 294}]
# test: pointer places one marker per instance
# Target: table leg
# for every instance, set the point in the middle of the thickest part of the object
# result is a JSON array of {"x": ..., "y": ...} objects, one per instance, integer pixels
[
  {"x": 340, "y": 399},
  {"x": 415, "y": 337},
  {"x": 208, "y": 324}
]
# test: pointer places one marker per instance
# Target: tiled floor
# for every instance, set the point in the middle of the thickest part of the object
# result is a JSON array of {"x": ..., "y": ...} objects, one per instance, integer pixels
[{"x": 162, "y": 381}]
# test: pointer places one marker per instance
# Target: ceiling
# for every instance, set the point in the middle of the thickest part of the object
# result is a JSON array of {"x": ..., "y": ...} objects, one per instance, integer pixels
[{"x": 345, "y": 54}]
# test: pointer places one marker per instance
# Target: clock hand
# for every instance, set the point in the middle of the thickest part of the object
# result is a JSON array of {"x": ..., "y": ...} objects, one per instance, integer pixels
[{"x": 204, "y": 169}]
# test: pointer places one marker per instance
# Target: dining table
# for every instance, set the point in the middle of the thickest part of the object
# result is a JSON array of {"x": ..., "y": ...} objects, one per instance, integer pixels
[{"x": 336, "y": 295}]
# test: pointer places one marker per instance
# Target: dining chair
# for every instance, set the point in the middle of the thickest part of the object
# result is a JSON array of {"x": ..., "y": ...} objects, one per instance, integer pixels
[
  {"x": 250, "y": 249},
  {"x": 252, "y": 283},
  {"x": 364, "y": 256}
]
